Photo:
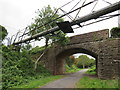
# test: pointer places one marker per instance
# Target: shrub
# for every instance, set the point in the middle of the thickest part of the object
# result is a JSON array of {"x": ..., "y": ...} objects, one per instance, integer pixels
[
  {"x": 115, "y": 32},
  {"x": 18, "y": 68},
  {"x": 37, "y": 49},
  {"x": 92, "y": 70}
]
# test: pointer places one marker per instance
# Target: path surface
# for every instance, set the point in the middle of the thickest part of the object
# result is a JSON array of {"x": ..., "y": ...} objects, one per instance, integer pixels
[{"x": 68, "y": 82}]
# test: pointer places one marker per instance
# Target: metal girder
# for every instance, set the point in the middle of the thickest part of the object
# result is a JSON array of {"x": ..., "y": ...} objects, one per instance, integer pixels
[
  {"x": 97, "y": 14},
  {"x": 94, "y": 15}
]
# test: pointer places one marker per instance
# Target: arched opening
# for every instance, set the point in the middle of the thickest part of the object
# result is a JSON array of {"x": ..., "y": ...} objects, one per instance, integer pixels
[
  {"x": 82, "y": 59},
  {"x": 60, "y": 58}
]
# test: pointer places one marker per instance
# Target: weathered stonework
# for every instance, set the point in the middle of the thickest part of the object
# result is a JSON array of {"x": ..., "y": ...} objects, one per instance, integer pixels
[{"x": 97, "y": 44}]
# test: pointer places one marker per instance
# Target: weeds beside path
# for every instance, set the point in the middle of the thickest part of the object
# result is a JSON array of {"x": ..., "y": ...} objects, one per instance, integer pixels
[{"x": 91, "y": 81}]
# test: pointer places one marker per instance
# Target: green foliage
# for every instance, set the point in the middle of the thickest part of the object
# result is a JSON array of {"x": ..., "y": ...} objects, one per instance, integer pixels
[
  {"x": 47, "y": 15},
  {"x": 18, "y": 68},
  {"x": 87, "y": 82},
  {"x": 3, "y": 33},
  {"x": 115, "y": 32},
  {"x": 37, "y": 83},
  {"x": 26, "y": 47},
  {"x": 92, "y": 70},
  {"x": 37, "y": 49},
  {"x": 70, "y": 60},
  {"x": 70, "y": 66},
  {"x": 84, "y": 61},
  {"x": 44, "y": 15},
  {"x": 71, "y": 69},
  {"x": 60, "y": 38}
]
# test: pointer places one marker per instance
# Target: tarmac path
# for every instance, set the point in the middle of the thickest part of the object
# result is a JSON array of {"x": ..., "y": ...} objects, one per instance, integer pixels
[{"x": 67, "y": 82}]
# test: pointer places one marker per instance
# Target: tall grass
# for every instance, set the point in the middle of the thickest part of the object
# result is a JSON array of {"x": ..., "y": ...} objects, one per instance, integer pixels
[
  {"x": 87, "y": 82},
  {"x": 90, "y": 82}
]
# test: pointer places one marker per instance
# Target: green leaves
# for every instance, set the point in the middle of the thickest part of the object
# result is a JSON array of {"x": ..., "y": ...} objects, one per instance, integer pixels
[
  {"x": 46, "y": 19},
  {"x": 84, "y": 61},
  {"x": 115, "y": 32},
  {"x": 18, "y": 67},
  {"x": 60, "y": 38},
  {"x": 70, "y": 60},
  {"x": 91, "y": 83},
  {"x": 92, "y": 70},
  {"x": 37, "y": 49},
  {"x": 3, "y": 33}
]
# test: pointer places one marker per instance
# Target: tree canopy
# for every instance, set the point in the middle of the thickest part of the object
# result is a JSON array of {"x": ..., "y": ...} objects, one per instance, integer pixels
[
  {"x": 45, "y": 15},
  {"x": 84, "y": 61},
  {"x": 70, "y": 60}
]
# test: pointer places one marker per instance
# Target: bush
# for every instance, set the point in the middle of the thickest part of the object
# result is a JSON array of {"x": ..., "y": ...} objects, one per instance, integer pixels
[
  {"x": 37, "y": 49},
  {"x": 72, "y": 68},
  {"x": 92, "y": 70},
  {"x": 70, "y": 60},
  {"x": 115, "y": 32},
  {"x": 18, "y": 68}
]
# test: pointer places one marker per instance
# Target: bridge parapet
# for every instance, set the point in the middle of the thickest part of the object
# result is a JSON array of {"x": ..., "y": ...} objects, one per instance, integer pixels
[{"x": 90, "y": 37}]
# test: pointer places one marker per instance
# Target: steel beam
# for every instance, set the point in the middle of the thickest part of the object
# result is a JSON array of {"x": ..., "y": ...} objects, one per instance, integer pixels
[
  {"x": 97, "y": 14},
  {"x": 93, "y": 15}
]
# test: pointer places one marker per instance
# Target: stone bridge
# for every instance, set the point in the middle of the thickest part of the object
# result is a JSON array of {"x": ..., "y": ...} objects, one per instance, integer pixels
[{"x": 97, "y": 44}]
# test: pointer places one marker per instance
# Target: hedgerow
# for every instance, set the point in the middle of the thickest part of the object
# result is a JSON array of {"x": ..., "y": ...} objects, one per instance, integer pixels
[{"x": 18, "y": 67}]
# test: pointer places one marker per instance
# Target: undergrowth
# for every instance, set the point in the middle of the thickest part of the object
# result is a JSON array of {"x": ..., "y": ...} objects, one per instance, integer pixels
[
  {"x": 92, "y": 82},
  {"x": 37, "y": 83},
  {"x": 18, "y": 68},
  {"x": 87, "y": 82},
  {"x": 73, "y": 68},
  {"x": 92, "y": 70}
]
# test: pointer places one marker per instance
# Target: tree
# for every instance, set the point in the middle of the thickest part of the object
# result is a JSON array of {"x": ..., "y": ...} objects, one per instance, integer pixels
[
  {"x": 115, "y": 32},
  {"x": 70, "y": 60},
  {"x": 44, "y": 16},
  {"x": 84, "y": 61},
  {"x": 91, "y": 62},
  {"x": 3, "y": 33},
  {"x": 47, "y": 15}
]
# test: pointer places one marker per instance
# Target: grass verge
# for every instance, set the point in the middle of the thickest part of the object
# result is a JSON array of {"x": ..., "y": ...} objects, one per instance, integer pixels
[
  {"x": 88, "y": 82},
  {"x": 91, "y": 73},
  {"x": 39, "y": 82}
]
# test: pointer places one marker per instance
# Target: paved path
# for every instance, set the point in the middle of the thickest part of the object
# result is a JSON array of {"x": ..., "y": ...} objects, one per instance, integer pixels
[{"x": 67, "y": 82}]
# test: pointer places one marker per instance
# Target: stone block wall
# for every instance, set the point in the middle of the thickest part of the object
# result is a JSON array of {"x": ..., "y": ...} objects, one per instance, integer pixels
[
  {"x": 90, "y": 37},
  {"x": 108, "y": 52}
]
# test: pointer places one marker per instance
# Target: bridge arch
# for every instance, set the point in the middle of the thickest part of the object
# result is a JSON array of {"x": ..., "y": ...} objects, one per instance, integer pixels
[
  {"x": 96, "y": 44},
  {"x": 60, "y": 68}
]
